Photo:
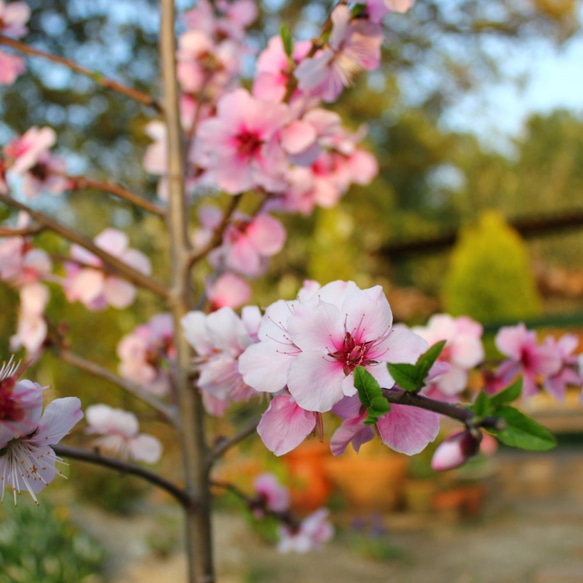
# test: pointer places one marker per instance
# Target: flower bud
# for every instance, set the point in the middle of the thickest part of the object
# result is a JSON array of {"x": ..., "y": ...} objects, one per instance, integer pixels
[{"x": 455, "y": 451}]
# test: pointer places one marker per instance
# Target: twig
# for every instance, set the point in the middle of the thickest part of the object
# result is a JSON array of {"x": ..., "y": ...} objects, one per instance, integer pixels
[
  {"x": 401, "y": 397},
  {"x": 224, "y": 444},
  {"x": 113, "y": 263},
  {"x": 23, "y": 232},
  {"x": 217, "y": 236},
  {"x": 79, "y": 182},
  {"x": 130, "y": 92},
  {"x": 166, "y": 411},
  {"x": 126, "y": 468},
  {"x": 259, "y": 503}
]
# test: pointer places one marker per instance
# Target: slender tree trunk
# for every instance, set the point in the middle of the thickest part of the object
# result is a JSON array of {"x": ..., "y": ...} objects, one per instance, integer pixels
[{"x": 198, "y": 513}]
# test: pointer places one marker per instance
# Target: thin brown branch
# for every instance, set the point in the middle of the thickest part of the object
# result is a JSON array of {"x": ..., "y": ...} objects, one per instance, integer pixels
[
  {"x": 113, "y": 264},
  {"x": 125, "y": 467},
  {"x": 226, "y": 443},
  {"x": 22, "y": 232},
  {"x": 80, "y": 182},
  {"x": 259, "y": 503},
  {"x": 401, "y": 397},
  {"x": 167, "y": 412},
  {"x": 130, "y": 92},
  {"x": 217, "y": 236}
]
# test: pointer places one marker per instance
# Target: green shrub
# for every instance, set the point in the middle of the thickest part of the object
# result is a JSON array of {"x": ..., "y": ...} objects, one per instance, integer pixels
[
  {"x": 489, "y": 276},
  {"x": 40, "y": 545}
]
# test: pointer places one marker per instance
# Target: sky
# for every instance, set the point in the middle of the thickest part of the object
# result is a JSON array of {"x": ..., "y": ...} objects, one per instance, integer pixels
[{"x": 554, "y": 79}]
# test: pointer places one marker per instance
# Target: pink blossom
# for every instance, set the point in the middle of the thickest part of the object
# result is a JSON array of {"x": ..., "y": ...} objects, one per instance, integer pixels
[
  {"x": 222, "y": 19},
  {"x": 463, "y": 349},
  {"x": 145, "y": 354},
  {"x": 219, "y": 338},
  {"x": 455, "y": 451},
  {"x": 27, "y": 462},
  {"x": 21, "y": 263},
  {"x": 20, "y": 401},
  {"x": 526, "y": 357},
  {"x": 13, "y": 17},
  {"x": 247, "y": 242},
  {"x": 228, "y": 291},
  {"x": 284, "y": 425},
  {"x": 241, "y": 143},
  {"x": 94, "y": 288},
  {"x": 309, "y": 535},
  {"x": 378, "y": 9},
  {"x": 32, "y": 328},
  {"x": 24, "y": 153},
  {"x": 568, "y": 373},
  {"x": 313, "y": 346},
  {"x": 203, "y": 64},
  {"x": 11, "y": 66},
  {"x": 119, "y": 434},
  {"x": 404, "y": 429},
  {"x": 353, "y": 46},
  {"x": 273, "y": 495},
  {"x": 274, "y": 71}
]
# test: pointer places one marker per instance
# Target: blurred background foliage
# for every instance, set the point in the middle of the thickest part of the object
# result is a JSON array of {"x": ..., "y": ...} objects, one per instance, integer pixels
[{"x": 432, "y": 180}]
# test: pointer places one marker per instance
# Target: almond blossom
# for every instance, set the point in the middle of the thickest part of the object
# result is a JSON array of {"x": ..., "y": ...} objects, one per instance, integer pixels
[
  {"x": 313, "y": 346},
  {"x": 119, "y": 434},
  {"x": 31, "y": 330},
  {"x": 534, "y": 361},
  {"x": 354, "y": 45},
  {"x": 27, "y": 462},
  {"x": 247, "y": 241},
  {"x": 228, "y": 291},
  {"x": 568, "y": 373},
  {"x": 13, "y": 17},
  {"x": 241, "y": 143},
  {"x": 272, "y": 494},
  {"x": 219, "y": 338},
  {"x": 378, "y": 9},
  {"x": 463, "y": 349},
  {"x": 146, "y": 353},
  {"x": 309, "y": 535},
  {"x": 11, "y": 66},
  {"x": 88, "y": 283}
]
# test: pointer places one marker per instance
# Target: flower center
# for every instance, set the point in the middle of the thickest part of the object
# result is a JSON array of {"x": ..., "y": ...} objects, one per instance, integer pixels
[
  {"x": 10, "y": 409},
  {"x": 249, "y": 143},
  {"x": 352, "y": 354}
]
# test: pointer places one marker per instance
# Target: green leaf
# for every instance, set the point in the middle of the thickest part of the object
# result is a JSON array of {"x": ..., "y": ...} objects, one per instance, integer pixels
[
  {"x": 427, "y": 359},
  {"x": 370, "y": 395},
  {"x": 367, "y": 386},
  {"x": 287, "y": 40},
  {"x": 411, "y": 377},
  {"x": 405, "y": 375},
  {"x": 508, "y": 395},
  {"x": 481, "y": 405},
  {"x": 522, "y": 431}
]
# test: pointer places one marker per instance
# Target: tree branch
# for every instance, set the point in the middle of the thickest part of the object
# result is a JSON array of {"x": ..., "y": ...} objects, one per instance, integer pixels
[
  {"x": 114, "y": 264},
  {"x": 80, "y": 182},
  {"x": 125, "y": 467},
  {"x": 401, "y": 397},
  {"x": 217, "y": 236},
  {"x": 165, "y": 410},
  {"x": 225, "y": 443},
  {"x": 130, "y": 92}
]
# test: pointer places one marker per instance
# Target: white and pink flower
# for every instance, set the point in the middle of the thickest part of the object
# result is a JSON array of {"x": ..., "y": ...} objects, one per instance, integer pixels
[
  {"x": 119, "y": 434},
  {"x": 95, "y": 289}
]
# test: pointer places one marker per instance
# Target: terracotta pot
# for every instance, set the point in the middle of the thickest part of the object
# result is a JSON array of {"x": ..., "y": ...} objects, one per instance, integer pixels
[
  {"x": 309, "y": 486},
  {"x": 372, "y": 484}
]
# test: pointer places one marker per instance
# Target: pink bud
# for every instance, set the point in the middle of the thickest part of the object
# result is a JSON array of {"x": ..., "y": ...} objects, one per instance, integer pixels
[{"x": 455, "y": 451}]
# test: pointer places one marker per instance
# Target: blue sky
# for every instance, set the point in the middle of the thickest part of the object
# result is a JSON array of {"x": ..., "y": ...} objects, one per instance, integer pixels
[{"x": 554, "y": 78}]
